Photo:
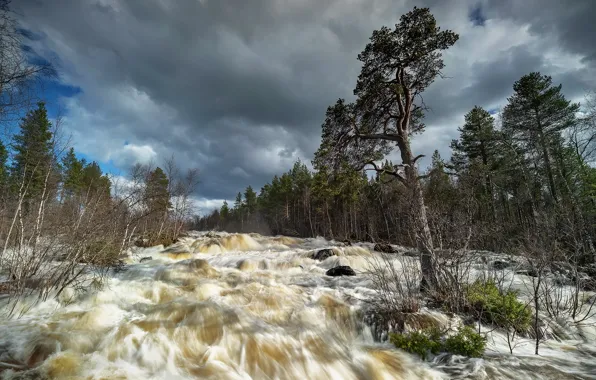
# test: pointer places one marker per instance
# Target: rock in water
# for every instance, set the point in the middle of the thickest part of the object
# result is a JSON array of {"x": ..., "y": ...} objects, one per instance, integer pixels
[
  {"x": 146, "y": 258},
  {"x": 323, "y": 254},
  {"x": 385, "y": 248},
  {"x": 501, "y": 264},
  {"x": 341, "y": 270}
]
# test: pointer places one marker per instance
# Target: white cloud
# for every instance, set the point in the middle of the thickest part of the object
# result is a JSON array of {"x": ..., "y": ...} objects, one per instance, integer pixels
[{"x": 131, "y": 154}]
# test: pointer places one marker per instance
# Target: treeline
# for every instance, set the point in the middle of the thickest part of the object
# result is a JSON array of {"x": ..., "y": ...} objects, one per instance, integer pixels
[
  {"x": 58, "y": 211},
  {"x": 526, "y": 165}
]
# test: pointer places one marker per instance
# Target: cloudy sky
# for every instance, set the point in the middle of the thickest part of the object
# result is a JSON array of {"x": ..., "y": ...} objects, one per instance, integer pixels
[{"x": 239, "y": 88}]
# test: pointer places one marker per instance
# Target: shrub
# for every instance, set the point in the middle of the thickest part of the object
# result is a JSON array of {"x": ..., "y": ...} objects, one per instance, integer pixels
[
  {"x": 101, "y": 253},
  {"x": 492, "y": 306},
  {"x": 418, "y": 342},
  {"x": 466, "y": 342}
]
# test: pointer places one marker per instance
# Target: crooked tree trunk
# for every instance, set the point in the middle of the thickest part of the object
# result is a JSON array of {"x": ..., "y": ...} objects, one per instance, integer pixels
[{"x": 424, "y": 241}]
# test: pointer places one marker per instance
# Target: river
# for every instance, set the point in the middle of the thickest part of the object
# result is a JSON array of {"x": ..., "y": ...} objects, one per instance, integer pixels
[{"x": 250, "y": 307}]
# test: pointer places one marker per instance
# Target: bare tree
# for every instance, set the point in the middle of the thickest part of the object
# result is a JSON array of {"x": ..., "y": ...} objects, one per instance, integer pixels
[{"x": 18, "y": 76}]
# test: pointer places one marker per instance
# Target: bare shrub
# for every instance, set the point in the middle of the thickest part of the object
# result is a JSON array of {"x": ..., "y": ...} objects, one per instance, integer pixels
[{"x": 395, "y": 280}]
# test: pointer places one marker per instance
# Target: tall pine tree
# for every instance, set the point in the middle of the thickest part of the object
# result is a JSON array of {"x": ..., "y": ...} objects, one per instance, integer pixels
[{"x": 536, "y": 115}]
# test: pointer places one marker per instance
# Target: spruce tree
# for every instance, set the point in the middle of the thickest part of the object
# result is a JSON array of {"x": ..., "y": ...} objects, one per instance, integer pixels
[
  {"x": 33, "y": 156},
  {"x": 224, "y": 212},
  {"x": 72, "y": 174},
  {"x": 250, "y": 200},
  {"x": 95, "y": 182},
  {"x": 157, "y": 196}
]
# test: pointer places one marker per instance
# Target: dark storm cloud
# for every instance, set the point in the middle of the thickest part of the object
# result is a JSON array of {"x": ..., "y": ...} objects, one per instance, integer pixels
[
  {"x": 240, "y": 88},
  {"x": 571, "y": 23}
]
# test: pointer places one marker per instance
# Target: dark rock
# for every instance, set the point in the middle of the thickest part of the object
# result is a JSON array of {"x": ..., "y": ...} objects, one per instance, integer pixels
[
  {"x": 527, "y": 272},
  {"x": 347, "y": 243},
  {"x": 323, "y": 254},
  {"x": 501, "y": 264},
  {"x": 146, "y": 258},
  {"x": 119, "y": 266},
  {"x": 341, "y": 270},
  {"x": 142, "y": 243},
  {"x": 385, "y": 248}
]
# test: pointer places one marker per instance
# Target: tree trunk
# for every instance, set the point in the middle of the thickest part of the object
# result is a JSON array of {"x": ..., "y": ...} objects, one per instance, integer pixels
[
  {"x": 424, "y": 241},
  {"x": 545, "y": 156}
]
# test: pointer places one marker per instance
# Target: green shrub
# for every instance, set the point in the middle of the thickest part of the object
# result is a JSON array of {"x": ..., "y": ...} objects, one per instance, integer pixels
[
  {"x": 466, "y": 342},
  {"x": 492, "y": 306},
  {"x": 418, "y": 342}
]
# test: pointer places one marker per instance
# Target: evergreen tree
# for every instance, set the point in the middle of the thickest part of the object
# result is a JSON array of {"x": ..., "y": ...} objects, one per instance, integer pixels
[
  {"x": 93, "y": 181},
  {"x": 536, "y": 115},
  {"x": 478, "y": 139},
  {"x": 72, "y": 174},
  {"x": 238, "y": 202},
  {"x": 33, "y": 158},
  {"x": 398, "y": 65},
  {"x": 157, "y": 196},
  {"x": 475, "y": 154},
  {"x": 250, "y": 200},
  {"x": 224, "y": 211}
]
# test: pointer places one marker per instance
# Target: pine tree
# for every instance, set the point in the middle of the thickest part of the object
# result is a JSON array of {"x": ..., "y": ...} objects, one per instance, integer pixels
[
  {"x": 398, "y": 65},
  {"x": 536, "y": 115},
  {"x": 33, "y": 159}
]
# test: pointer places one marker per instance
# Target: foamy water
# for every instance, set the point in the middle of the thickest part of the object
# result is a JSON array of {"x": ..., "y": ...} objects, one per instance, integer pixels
[{"x": 249, "y": 307}]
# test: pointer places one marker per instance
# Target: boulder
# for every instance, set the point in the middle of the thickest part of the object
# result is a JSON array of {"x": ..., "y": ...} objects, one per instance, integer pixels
[
  {"x": 527, "y": 272},
  {"x": 146, "y": 258},
  {"x": 501, "y": 264},
  {"x": 323, "y": 254},
  {"x": 341, "y": 270},
  {"x": 385, "y": 248}
]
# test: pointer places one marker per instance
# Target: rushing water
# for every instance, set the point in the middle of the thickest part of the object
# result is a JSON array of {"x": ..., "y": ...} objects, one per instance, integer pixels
[{"x": 249, "y": 307}]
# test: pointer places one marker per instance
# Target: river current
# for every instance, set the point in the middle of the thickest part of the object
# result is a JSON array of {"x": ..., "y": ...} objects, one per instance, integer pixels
[{"x": 237, "y": 306}]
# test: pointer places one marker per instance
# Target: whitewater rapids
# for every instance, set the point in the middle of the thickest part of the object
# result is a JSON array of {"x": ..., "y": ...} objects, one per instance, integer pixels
[{"x": 248, "y": 307}]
